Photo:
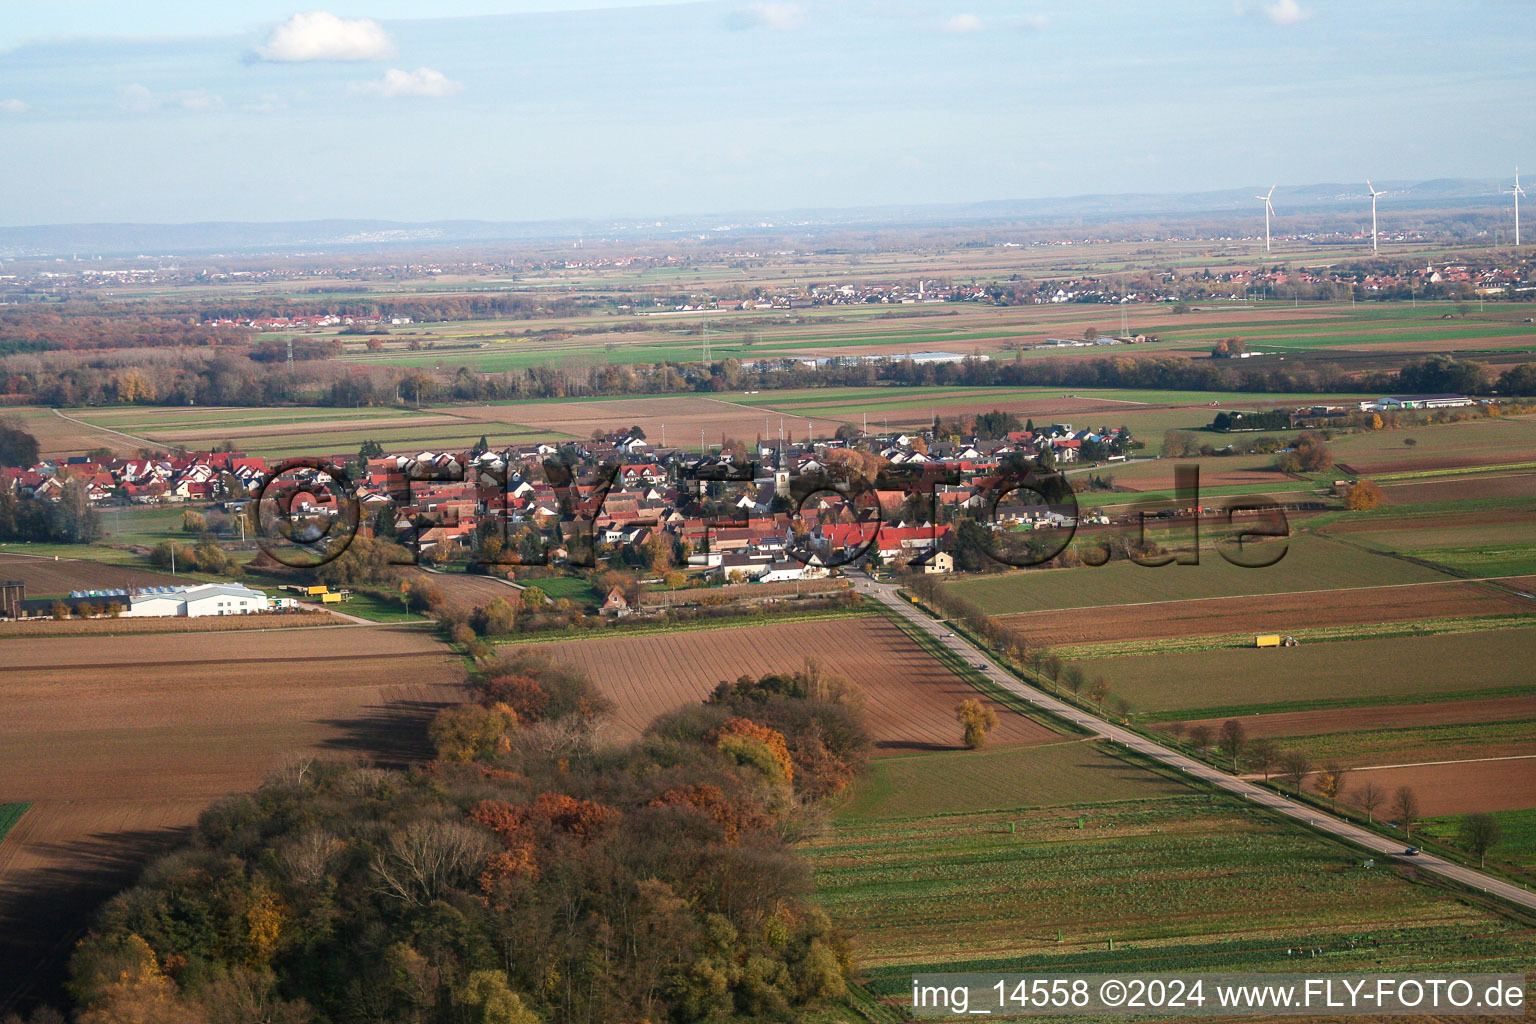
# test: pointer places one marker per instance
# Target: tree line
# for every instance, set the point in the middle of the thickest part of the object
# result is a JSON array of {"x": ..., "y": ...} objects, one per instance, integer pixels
[{"x": 260, "y": 375}]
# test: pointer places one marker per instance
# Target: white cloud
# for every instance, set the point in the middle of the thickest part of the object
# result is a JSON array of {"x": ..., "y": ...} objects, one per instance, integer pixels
[
  {"x": 1287, "y": 12},
  {"x": 779, "y": 17},
  {"x": 421, "y": 82},
  {"x": 319, "y": 35},
  {"x": 268, "y": 103},
  {"x": 138, "y": 99},
  {"x": 1037, "y": 22},
  {"x": 12, "y": 106},
  {"x": 963, "y": 23},
  {"x": 198, "y": 101}
]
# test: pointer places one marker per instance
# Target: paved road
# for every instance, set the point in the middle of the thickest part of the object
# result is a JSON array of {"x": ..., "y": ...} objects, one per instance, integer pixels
[{"x": 886, "y": 593}]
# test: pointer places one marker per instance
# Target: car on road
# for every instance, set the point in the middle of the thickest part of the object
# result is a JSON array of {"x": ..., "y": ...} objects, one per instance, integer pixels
[
  {"x": 981, "y": 664},
  {"x": 1412, "y": 851},
  {"x": 948, "y": 636}
]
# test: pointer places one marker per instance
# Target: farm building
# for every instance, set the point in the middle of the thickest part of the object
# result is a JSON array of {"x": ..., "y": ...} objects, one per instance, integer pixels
[
  {"x": 197, "y": 601},
  {"x": 194, "y": 601},
  {"x": 1396, "y": 403}
]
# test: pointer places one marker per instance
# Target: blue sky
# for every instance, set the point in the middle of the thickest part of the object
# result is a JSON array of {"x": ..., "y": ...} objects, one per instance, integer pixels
[{"x": 538, "y": 109}]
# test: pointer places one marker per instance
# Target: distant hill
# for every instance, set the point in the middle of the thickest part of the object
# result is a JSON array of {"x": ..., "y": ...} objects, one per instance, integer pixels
[{"x": 235, "y": 237}]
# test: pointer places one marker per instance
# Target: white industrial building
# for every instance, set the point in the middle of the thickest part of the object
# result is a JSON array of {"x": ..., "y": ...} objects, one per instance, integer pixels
[{"x": 197, "y": 601}]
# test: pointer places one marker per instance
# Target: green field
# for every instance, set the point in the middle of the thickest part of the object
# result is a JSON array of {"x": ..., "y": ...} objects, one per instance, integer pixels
[
  {"x": 1178, "y": 882},
  {"x": 1310, "y": 563},
  {"x": 571, "y": 588},
  {"x": 1210, "y": 683},
  {"x": 1487, "y": 549},
  {"x": 1070, "y": 771},
  {"x": 1488, "y": 440},
  {"x": 1402, "y": 746},
  {"x": 10, "y": 814},
  {"x": 1517, "y": 842}
]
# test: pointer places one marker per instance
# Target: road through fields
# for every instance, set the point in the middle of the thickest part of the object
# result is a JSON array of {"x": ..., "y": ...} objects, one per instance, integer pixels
[{"x": 1430, "y": 864}]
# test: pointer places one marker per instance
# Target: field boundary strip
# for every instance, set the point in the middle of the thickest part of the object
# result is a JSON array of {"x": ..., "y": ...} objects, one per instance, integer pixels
[
  {"x": 10, "y": 814},
  {"x": 1091, "y": 651}
]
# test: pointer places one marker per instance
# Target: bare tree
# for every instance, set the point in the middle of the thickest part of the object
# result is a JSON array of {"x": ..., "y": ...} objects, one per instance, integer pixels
[
  {"x": 1480, "y": 833},
  {"x": 1074, "y": 677},
  {"x": 1263, "y": 754},
  {"x": 1200, "y": 736},
  {"x": 421, "y": 863},
  {"x": 1294, "y": 767},
  {"x": 1405, "y": 805},
  {"x": 1232, "y": 737},
  {"x": 1369, "y": 797},
  {"x": 307, "y": 858}
]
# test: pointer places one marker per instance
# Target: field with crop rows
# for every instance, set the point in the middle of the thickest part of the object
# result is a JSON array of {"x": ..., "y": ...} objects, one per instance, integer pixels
[
  {"x": 909, "y": 696},
  {"x": 1177, "y": 882},
  {"x": 1309, "y": 564},
  {"x": 1321, "y": 673},
  {"x": 118, "y": 742}
]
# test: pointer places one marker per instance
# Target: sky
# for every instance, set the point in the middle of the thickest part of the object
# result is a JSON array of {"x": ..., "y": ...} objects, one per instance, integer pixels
[{"x": 183, "y": 111}]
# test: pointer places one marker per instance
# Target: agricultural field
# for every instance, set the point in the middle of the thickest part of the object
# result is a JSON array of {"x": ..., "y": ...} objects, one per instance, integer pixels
[
  {"x": 280, "y": 432},
  {"x": 58, "y": 436},
  {"x": 1236, "y": 619},
  {"x": 1310, "y": 564},
  {"x": 1491, "y": 543},
  {"x": 120, "y": 742},
  {"x": 1492, "y": 441},
  {"x": 909, "y": 696},
  {"x": 1223, "y": 682},
  {"x": 1178, "y": 881},
  {"x": 1067, "y": 771},
  {"x": 46, "y": 576},
  {"x": 462, "y": 589},
  {"x": 10, "y": 814},
  {"x": 1517, "y": 846},
  {"x": 585, "y": 340},
  {"x": 680, "y": 418}
]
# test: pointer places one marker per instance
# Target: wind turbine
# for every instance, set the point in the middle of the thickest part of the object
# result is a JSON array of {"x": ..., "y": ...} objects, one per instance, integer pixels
[
  {"x": 1517, "y": 192},
  {"x": 1374, "y": 194},
  {"x": 1269, "y": 210}
]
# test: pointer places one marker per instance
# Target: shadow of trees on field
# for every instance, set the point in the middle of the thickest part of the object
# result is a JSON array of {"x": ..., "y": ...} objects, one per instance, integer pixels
[
  {"x": 44, "y": 911},
  {"x": 392, "y": 734}
]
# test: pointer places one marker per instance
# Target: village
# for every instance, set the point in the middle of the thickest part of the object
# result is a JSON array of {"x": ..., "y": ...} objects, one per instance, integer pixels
[{"x": 771, "y": 513}]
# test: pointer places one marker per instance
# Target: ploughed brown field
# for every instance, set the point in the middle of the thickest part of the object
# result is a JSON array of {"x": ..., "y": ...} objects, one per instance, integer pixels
[
  {"x": 45, "y": 577},
  {"x": 1268, "y": 613},
  {"x": 1443, "y": 521},
  {"x": 1515, "y": 485},
  {"x": 909, "y": 697},
  {"x": 202, "y": 624},
  {"x": 1460, "y": 787},
  {"x": 1391, "y": 716},
  {"x": 119, "y": 742},
  {"x": 463, "y": 589},
  {"x": 682, "y": 419}
]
